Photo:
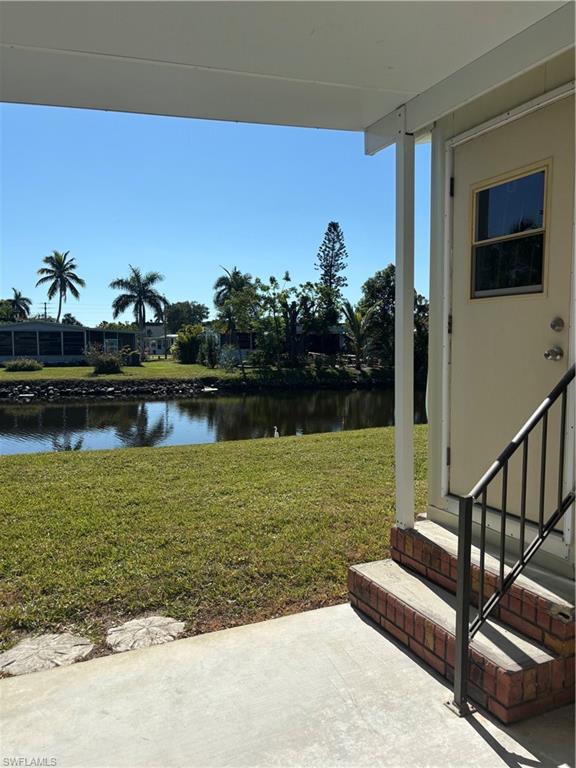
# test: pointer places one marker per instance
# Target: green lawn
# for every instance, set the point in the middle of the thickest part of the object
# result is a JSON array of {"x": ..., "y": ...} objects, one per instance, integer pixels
[
  {"x": 216, "y": 535},
  {"x": 158, "y": 369},
  {"x": 169, "y": 369}
]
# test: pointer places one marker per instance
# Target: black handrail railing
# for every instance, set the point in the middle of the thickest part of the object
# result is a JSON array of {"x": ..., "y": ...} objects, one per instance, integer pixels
[{"x": 465, "y": 630}]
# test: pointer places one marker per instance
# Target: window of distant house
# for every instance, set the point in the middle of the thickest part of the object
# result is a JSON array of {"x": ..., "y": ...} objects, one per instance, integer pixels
[
  {"x": 73, "y": 342},
  {"x": 508, "y": 237},
  {"x": 5, "y": 343}
]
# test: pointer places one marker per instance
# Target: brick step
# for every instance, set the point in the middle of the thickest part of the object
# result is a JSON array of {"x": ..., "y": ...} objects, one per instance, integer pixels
[
  {"x": 545, "y": 615},
  {"x": 510, "y": 675}
]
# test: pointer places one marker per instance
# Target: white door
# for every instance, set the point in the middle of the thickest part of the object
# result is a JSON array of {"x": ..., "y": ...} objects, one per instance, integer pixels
[{"x": 511, "y": 281}]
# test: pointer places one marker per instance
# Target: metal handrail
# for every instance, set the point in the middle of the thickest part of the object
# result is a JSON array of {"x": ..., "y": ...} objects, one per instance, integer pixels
[
  {"x": 523, "y": 433},
  {"x": 464, "y": 630}
]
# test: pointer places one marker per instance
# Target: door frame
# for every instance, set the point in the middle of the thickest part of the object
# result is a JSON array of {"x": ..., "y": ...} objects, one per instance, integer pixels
[{"x": 558, "y": 544}]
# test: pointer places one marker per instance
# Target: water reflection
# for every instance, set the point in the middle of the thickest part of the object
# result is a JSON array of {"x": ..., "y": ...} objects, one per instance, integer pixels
[
  {"x": 67, "y": 443},
  {"x": 95, "y": 425},
  {"x": 141, "y": 433}
]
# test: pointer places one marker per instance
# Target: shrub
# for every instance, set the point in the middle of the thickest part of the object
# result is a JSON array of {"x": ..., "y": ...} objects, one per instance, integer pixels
[
  {"x": 130, "y": 357},
  {"x": 228, "y": 357},
  {"x": 66, "y": 363},
  {"x": 269, "y": 348},
  {"x": 23, "y": 364},
  {"x": 321, "y": 363},
  {"x": 187, "y": 344},
  {"x": 103, "y": 362},
  {"x": 258, "y": 359},
  {"x": 209, "y": 349}
]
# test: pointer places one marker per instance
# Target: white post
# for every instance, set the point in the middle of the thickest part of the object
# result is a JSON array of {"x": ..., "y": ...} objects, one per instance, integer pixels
[
  {"x": 404, "y": 325},
  {"x": 570, "y": 453}
]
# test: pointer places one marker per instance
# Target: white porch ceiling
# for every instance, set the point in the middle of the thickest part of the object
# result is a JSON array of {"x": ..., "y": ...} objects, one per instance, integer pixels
[{"x": 340, "y": 65}]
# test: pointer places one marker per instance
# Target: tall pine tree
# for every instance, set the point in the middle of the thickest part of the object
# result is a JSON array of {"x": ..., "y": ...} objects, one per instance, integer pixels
[{"x": 331, "y": 262}]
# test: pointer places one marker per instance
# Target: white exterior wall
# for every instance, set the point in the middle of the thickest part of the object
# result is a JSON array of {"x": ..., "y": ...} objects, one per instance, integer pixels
[{"x": 530, "y": 85}]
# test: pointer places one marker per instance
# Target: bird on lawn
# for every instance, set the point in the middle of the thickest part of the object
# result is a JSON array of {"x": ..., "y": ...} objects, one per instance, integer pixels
[{"x": 276, "y": 433}]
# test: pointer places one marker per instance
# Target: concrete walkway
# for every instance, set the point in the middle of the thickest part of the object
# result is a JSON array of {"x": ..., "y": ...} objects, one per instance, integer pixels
[{"x": 322, "y": 688}]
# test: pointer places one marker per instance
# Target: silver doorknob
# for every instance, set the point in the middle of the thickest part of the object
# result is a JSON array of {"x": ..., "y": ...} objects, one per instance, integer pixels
[{"x": 554, "y": 353}]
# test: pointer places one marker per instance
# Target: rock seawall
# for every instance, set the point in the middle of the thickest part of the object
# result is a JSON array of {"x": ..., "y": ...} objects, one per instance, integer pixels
[
  {"x": 53, "y": 390},
  {"x": 157, "y": 389}
]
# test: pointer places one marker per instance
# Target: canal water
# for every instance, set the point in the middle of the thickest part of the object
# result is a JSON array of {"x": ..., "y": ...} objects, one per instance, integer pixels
[{"x": 46, "y": 427}]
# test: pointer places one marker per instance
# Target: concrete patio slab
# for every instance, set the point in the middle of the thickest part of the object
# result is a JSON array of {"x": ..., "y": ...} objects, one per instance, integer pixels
[{"x": 322, "y": 688}]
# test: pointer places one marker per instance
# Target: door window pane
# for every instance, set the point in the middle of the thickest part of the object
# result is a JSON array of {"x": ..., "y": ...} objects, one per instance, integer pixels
[
  {"x": 509, "y": 266},
  {"x": 510, "y": 208},
  {"x": 508, "y": 244}
]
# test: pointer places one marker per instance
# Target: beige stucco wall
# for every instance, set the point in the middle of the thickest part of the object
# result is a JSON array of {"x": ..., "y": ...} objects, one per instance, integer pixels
[{"x": 530, "y": 85}]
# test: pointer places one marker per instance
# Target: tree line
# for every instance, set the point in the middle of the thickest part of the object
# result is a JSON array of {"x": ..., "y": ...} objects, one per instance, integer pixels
[{"x": 280, "y": 314}]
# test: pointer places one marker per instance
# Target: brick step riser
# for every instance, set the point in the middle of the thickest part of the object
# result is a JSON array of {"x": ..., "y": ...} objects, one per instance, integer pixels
[
  {"x": 510, "y": 696},
  {"x": 520, "y": 609}
]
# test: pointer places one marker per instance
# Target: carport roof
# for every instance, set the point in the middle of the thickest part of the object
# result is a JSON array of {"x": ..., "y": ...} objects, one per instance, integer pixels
[{"x": 338, "y": 65}]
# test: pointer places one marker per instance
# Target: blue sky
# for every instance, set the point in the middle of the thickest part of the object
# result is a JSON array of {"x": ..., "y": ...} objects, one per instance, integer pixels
[{"x": 186, "y": 196}]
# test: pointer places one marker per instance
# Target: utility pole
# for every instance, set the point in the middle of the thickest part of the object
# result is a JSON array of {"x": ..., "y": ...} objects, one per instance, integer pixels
[{"x": 45, "y": 312}]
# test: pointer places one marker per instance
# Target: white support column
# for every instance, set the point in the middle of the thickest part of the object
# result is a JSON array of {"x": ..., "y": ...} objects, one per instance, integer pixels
[
  {"x": 404, "y": 325},
  {"x": 570, "y": 455}
]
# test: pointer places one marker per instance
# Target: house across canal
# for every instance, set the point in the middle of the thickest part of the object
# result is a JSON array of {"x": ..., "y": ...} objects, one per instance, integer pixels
[{"x": 57, "y": 342}]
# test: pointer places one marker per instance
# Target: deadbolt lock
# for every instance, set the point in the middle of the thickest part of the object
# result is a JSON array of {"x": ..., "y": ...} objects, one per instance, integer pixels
[
  {"x": 557, "y": 324},
  {"x": 554, "y": 353}
]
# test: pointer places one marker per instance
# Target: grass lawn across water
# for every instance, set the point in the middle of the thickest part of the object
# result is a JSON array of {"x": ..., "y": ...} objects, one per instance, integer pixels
[
  {"x": 216, "y": 535},
  {"x": 157, "y": 369},
  {"x": 170, "y": 369}
]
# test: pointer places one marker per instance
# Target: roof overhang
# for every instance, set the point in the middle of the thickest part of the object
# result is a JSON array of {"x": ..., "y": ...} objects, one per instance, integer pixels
[
  {"x": 526, "y": 50},
  {"x": 338, "y": 65}
]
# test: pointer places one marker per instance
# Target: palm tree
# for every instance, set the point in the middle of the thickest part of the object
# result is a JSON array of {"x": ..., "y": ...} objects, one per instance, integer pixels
[
  {"x": 60, "y": 275},
  {"x": 358, "y": 330},
  {"x": 226, "y": 285},
  {"x": 20, "y": 305},
  {"x": 138, "y": 293}
]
